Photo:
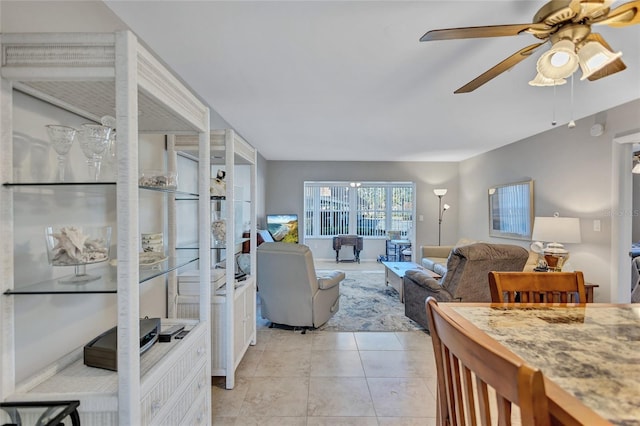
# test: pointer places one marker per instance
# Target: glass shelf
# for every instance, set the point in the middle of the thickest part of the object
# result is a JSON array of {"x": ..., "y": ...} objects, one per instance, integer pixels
[
  {"x": 194, "y": 246},
  {"x": 107, "y": 283},
  {"x": 82, "y": 188},
  {"x": 86, "y": 187},
  {"x": 225, "y": 198},
  {"x": 60, "y": 184},
  {"x": 181, "y": 194}
]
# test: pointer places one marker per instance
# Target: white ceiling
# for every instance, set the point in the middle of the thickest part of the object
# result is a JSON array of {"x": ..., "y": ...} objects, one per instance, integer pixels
[{"x": 349, "y": 80}]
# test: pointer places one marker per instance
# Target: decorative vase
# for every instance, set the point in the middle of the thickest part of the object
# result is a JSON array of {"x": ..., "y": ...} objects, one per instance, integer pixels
[{"x": 219, "y": 230}]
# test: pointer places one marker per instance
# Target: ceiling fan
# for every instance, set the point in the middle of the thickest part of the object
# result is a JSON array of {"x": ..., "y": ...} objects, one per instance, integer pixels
[{"x": 566, "y": 24}]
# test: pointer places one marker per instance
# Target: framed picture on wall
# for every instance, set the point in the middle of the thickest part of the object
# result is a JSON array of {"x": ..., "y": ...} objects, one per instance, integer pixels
[{"x": 511, "y": 210}]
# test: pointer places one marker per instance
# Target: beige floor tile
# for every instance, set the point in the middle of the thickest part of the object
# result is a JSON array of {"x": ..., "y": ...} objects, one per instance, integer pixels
[
  {"x": 406, "y": 421},
  {"x": 249, "y": 363},
  {"x": 415, "y": 341},
  {"x": 342, "y": 421},
  {"x": 227, "y": 402},
  {"x": 432, "y": 384},
  {"x": 330, "y": 340},
  {"x": 288, "y": 363},
  {"x": 275, "y": 396},
  {"x": 402, "y": 397},
  {"x": 336, "y": 364},
  {"x": 262, "y": 338},
  {"x": 379, "y": 341},
  {"x": 223, "y": 421},
  {"x": 397, "y": 364},
  {"x": 339, "y": 396},
  {"x": 271, "y": 421},
  {"x": 287, "y": 340}
]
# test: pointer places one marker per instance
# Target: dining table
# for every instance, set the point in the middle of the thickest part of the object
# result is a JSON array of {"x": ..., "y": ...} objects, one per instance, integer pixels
[{"x": 588, "y": 353}]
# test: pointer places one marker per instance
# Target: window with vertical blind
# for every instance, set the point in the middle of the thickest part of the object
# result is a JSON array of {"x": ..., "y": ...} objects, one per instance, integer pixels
[{"x": 368, "y": 209}]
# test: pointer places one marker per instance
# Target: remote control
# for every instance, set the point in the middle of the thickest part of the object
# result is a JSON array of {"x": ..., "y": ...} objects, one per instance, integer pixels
[
  {"x": 166, "y": 335},
  {"x": 182, "y": 334}
]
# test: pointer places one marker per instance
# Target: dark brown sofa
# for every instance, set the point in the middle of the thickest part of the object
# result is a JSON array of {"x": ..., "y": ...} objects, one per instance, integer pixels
[{"x": 465, "y": 280}]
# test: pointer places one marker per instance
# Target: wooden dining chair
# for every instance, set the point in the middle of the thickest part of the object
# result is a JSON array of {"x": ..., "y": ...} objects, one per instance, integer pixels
[
  {"x": 537, "y": 287},
  {"x": 469, "y": 365}
]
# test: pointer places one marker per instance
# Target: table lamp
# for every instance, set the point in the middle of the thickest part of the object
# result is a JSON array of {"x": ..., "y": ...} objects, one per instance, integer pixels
[{"x": 555, "y": 231}]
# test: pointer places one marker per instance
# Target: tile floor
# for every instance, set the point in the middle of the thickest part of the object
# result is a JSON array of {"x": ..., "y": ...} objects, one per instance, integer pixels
[{"x": 331, "y": 378}]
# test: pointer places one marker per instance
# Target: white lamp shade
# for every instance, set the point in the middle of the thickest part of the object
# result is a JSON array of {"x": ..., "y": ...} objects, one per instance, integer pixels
[
  {"x": 636, "y": 168},
  {"x": 593, "y": 56},
  {"x": 558, "y": 62},
  {"x": 540, "y": 80},
  {"x": 440, "y": 191},
  {"x": 557, "y": 229}
]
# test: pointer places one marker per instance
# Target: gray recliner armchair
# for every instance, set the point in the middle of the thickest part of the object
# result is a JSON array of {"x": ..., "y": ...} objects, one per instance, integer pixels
[
  {"x": 635, "y": 280},
  {"x": 465, "y": 280},
  {"x": 290, "y": 291}
]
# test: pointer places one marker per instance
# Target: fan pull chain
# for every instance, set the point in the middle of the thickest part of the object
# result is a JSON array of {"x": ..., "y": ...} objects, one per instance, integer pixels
[
  {"x": 553, "y": 117},
  {"x": 572, "y": 123}
]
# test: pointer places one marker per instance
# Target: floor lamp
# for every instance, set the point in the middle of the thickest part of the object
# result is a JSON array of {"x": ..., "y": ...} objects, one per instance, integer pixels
[{"x": 440, "y": 192}]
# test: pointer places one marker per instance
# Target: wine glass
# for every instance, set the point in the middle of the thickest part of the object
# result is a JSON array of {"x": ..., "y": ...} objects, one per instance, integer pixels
[
  {"x": 112, "y": 148},
  {"x": 94, "y": 139},
  {"x": 61, "y": 138}
]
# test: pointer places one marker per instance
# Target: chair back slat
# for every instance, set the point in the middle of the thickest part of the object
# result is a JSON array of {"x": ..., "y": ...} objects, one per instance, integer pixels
[{"x": 537, "y": 287}]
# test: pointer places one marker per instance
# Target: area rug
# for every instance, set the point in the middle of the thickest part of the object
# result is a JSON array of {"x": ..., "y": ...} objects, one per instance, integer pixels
[{"x": 367, "y": 304}]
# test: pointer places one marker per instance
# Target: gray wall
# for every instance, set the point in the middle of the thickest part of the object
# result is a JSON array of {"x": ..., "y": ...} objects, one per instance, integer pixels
[
  {"x": 572, "y": 176},
  {"x": 284, "y": 194},
  {"x": 261, "y": 189}
]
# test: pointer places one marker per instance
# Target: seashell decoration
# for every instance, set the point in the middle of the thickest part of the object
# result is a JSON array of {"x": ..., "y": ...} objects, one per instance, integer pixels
[
  {"x": 73, "y": 246},
  {"x": 219, "y": 231}
]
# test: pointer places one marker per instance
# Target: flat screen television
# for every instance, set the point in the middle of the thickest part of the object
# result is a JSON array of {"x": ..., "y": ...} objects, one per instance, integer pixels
[{"x": 283, "y": 227}]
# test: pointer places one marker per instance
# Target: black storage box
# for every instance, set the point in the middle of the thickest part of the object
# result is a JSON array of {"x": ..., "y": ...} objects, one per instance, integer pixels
[{"x": 102, "y": 352}]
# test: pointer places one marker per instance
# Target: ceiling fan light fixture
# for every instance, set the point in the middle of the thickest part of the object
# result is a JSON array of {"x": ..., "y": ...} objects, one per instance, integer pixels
[
  {"x": 542, "y": 81},
  {"x": 558, "y": 62},
  {"x": 593, "y": 56}
]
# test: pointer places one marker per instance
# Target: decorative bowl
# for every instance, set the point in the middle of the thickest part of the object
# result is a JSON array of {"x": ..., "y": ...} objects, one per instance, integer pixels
[
  {"x": 77, "y": 245},
  {"x": 152, "y": 242},
  {"x": 158, "y": 179}
]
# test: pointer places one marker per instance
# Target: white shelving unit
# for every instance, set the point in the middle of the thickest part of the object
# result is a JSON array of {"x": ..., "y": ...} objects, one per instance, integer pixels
[
  {"x": 233, "y": 312},
  {"x": 93, "y": 75}
]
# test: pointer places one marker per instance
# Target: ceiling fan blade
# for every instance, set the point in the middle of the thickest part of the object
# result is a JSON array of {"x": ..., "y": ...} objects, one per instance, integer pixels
[
  {"x": 612, "y": 68},
  {"x": 476, "y": 32},
  {"x": 622, "y": 16},
  {"x": 498, "y": 69}
]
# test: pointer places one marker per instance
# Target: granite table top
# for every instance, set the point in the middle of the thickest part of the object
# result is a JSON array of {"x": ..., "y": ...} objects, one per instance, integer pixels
[{"x": 591, "y": 351}]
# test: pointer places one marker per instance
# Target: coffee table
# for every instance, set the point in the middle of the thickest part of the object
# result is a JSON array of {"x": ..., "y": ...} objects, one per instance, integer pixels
[{"x": 394, "y": 273}]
